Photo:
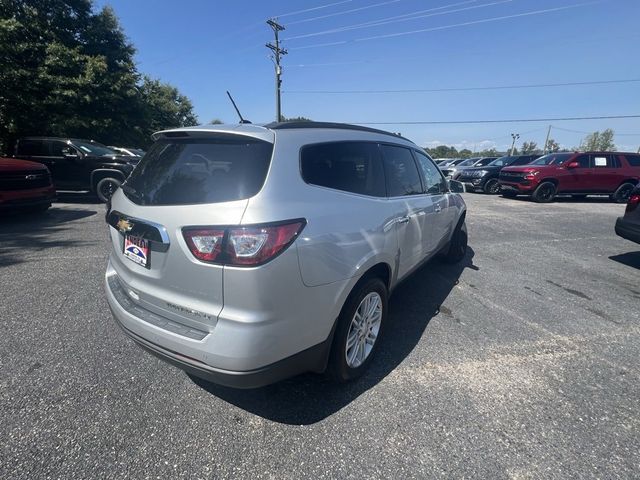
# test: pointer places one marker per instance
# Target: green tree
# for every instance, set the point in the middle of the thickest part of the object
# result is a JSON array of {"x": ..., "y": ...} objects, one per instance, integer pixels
[
  {"x": 465, "y": 153},
  {"x": 296, "y": 119},
  {"x": 529, "y": 147},
  {"x": 68, "y": 70},
  {"x": 216, "y": 121},
  {"x": 599, "y": 141},
  {"x": 553, "y": 146}
]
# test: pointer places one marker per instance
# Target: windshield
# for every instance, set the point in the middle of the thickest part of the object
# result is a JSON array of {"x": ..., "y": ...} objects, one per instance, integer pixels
[
  {"x": 552, "y": 159},
  {"x": 94, "y": 148},
  {"x": 485, "y": 161},
  {"x": 468, "y": 162},
  {"x": 502, "y": 161},
  {"x": 195, "y": 171}
]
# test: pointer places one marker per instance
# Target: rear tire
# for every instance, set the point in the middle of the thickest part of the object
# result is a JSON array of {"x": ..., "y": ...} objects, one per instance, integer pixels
[
  {"x": 545, "y": 192},
  {"x": 623, "y": 193},
  {"x": 345, "y": 363},
  {"x": 457, "y": 248},
  {"x": 492, "y": 186},
  {"x": 106, "y": 187}
]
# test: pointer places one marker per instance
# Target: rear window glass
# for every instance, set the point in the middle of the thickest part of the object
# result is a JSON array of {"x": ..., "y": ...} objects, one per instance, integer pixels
[
  {"x": 348, "y": 166},
  {"x": 194, "y": 171},
  {"x": 634, "y": 160}
]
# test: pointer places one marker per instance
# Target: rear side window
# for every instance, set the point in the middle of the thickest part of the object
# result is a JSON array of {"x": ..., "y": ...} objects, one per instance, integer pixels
[
  {"x": 633, "y": 159},
  {"x": 348, "y": 166},
  {"x": 32, "y": 147},
  {"x": 604, "y": 161},
  {"x": 195, "y": 171},
  {"x": 400, "y": 171}
]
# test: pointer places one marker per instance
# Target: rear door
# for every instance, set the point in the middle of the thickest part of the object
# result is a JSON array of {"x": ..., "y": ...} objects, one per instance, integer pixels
[
  {"x": 438, "y": 224},
  {"x": 185, "y": 182},
  {"x": 607, "y": 173},
  {"x": 404, "y": 190}
]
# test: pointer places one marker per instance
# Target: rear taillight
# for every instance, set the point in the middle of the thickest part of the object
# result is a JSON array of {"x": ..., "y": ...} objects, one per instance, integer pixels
[
  {"x": 205, "y": 244},
  {"x": 242, "y": 246},
  {"x": 634, "y": 201}
]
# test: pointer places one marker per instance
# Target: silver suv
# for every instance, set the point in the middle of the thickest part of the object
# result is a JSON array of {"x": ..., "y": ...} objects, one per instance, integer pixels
[{"x": 246, "y": 254}]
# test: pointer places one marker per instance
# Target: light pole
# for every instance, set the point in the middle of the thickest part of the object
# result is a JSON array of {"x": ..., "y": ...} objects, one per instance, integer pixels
[{"x": 515, "y": 136}]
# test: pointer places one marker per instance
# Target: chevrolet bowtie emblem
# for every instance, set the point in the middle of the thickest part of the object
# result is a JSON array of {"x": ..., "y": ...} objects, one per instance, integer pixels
[{"x": 124, "y": 226}]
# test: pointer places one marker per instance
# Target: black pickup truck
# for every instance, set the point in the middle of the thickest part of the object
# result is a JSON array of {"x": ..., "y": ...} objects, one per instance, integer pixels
[{"x": 77, "y": 164}]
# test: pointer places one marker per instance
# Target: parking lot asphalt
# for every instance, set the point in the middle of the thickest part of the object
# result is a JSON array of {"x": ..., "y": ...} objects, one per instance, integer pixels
[{"x": 522, "y": 362}]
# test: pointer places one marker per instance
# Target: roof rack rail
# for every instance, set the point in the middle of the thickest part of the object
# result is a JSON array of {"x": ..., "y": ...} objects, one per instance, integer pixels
[{"x": 334, "y": 125}]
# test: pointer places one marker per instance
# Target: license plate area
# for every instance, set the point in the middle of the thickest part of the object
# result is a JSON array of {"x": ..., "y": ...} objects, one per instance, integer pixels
[{"x": 137, "y": 250}]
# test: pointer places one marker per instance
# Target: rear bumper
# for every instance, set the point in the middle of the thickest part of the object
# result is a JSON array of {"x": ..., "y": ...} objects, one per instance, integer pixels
[
  {"x": 628, "y": 230},
  {"x": 241, "y": 351},
  {"x": 311, "y": 359}
]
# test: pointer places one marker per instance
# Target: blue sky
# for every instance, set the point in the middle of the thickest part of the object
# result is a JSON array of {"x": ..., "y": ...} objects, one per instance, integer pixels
[{"x": 205, "y": 47}]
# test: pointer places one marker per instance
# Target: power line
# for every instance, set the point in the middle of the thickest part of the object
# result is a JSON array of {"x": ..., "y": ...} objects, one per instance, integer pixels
[
  {"x": 402, "y": 18},
  {"x": 312, "y": 9},
  {"x": 466, "y": 89},
  {"x": 586, "y": 133},
  {"x": 445, "y": 27},
  {"x": 516, "y": 120},
  {"x": 341, "y": 13}
]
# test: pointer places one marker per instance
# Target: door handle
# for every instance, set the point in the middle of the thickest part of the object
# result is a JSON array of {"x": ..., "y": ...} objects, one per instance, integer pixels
[{"x": 403, "y": 220}]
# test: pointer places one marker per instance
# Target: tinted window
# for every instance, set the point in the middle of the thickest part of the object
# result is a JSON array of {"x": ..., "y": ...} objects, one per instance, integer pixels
[
  {"x": 522, "y": 161},
  {"x": 400, "y": 171},
  {"x": 58, "y": 148},
  {"x": 192, "y": 171},
  {"x": 604, "y": 161},
  {"x": 552, "y": 159},
  {"x": 583, "y": 161},
  {"x": 502, "y": 161},
  {"x": 349, "y": 166},
  {"x": 94, "y": 148},
  {"x": 633, "y": 159},
  {"x": 484, "y": 161},
  {"x": 433, "y": 180},
  {"x": 31, "y": 147}
]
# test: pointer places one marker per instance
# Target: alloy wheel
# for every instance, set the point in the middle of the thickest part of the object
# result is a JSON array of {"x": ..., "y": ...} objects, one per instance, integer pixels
[{"x": 363, "y": 330}]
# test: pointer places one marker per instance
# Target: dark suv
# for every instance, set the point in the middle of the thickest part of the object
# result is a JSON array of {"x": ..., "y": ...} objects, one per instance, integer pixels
[
  {"x": 77, "y": 164},
  {"x": 485, "y": 178},
  {"x": 628, "y": 226},
  {"x": 576, "y": 173}
]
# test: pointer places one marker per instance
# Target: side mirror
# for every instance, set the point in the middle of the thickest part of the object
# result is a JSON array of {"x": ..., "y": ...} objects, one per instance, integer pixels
[
  {"x": 573, "y": 165},
  {"x": 456, "y": 186}
]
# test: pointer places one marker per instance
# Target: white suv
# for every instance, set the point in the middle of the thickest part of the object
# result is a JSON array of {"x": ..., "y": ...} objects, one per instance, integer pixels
[{"x": 246, "y": 254}]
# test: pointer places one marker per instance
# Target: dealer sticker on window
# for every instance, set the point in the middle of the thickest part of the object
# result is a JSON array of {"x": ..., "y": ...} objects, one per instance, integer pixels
[{"x": 136, "y": 249}]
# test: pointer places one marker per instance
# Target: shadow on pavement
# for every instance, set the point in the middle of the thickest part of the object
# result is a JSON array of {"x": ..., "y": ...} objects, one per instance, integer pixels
[
  {"x": 567, "y": 199},
  {"x": 630, "y": 259},
  {"x": 77, "y": 197},
  {"x": 22, "y": 233},
  {"x": 310, "y": 398}
]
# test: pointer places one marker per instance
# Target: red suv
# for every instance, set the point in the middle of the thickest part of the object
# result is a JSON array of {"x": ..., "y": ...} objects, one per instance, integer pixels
[
  {"x": 25, "y": 185},
  {"x": 575, "y": 173}
]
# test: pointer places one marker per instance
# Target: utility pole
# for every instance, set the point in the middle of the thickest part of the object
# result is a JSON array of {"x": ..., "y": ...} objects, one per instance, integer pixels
[
  {"x": 277, "y": 54},
  {"x": 515, "y": 136},
  {"x": 546, "y": 142}
]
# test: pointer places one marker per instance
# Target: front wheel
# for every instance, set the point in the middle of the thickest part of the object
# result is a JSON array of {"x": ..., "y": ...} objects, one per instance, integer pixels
[
  {"x": 106, "y": 187},
  {"x": 544, "y": 193},
  {"x": 492, "y": 186},
  {"x": 358, "y": 332},
  {"x": 623, "y": 193}
]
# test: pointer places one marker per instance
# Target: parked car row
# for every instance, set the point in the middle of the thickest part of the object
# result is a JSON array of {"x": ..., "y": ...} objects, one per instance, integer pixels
[
  {"x": 78, "y": 164},
  {"x": 542, "y": 178}
]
